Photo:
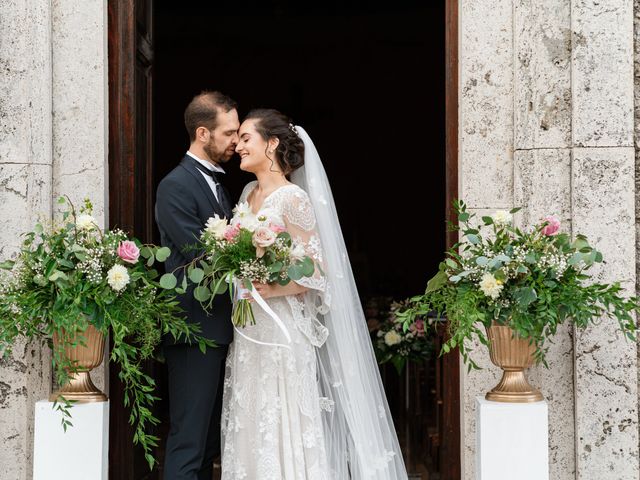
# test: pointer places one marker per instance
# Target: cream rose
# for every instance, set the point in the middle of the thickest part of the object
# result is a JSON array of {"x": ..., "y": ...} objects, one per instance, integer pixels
[
  {"x": 262, "y": 238},
  {"x": 392, "y": 338}
]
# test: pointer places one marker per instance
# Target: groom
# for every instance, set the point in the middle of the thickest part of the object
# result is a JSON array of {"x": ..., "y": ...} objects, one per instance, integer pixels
[{"x": 190, "y": 194}]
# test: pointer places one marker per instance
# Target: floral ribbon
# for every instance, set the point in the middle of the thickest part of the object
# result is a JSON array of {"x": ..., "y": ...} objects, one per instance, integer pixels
[{"x": 240, "y": 290}]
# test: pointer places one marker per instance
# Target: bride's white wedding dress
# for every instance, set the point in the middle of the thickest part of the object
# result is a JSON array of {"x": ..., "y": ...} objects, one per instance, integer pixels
[
  {"x": 315, "y": 408},
  {"x": 271, "y": 418}
]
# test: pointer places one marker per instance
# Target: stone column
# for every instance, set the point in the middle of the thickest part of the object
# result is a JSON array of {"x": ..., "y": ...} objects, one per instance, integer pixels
[
  {"x": 542, "y": 183},
  {"x": 603, "y": 207},
  {"x": 485, "y": 157},
  {"x": 25, "y": 196},
  {"x": 80, "y": 102}
]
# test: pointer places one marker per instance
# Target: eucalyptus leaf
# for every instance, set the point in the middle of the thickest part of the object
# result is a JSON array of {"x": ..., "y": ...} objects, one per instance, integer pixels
[
  {"x": 474, "y": 239},
  {"x": 294, "y": 272},
  {"x": 168, "y": 281},
  {"x": 482, "y": 261},
  {"x": 162, "y": 254},
  {"x": 202, "y": 294},
  {"x": 196, "y": 275},
  {"x": 525, "y": 295},
  {"x": 307, "y": 267}
]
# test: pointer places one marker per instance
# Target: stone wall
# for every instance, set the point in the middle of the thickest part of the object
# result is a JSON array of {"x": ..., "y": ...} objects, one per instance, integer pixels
[
  {"x": 546, "y": 105},
  {"x": 53, "y": 136}
]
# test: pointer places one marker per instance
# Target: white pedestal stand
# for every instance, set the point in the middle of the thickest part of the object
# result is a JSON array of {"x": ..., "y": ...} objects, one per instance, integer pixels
[
  {"x": 512, "y": 440},
  {"x": 81, "y": 453}
]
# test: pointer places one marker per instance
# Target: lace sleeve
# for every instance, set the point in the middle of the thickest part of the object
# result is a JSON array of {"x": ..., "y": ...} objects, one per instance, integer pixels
[{"x": 300, "y": 222}]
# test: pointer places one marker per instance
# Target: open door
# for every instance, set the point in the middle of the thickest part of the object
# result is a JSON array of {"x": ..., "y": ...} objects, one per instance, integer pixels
[
  {"x": 130, "y": 187},
  {"x": 132, "y": 180}
]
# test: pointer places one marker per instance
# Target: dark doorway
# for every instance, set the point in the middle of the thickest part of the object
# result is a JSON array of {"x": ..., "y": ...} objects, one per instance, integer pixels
[{"x": 368, "y": 82}]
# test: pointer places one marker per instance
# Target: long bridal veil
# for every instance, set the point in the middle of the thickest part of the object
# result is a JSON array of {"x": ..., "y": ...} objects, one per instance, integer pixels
[{"x": 360, "y": 437}]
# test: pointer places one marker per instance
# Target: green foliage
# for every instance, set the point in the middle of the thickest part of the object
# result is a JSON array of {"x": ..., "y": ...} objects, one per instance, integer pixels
[
  {"x": 63, "y": 280},
  {"x": 532, "y": 280}
]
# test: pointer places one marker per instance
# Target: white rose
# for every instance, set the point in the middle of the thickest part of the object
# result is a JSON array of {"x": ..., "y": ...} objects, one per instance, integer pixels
[
  {"x": 490, "y": 286},
  {"x": 502, "y": 217},
  {"x": 216, "y": 226},
  {"x": 86, "y": 222},
  {"x": 297, "y": 252},
  {"x": 118, "y": 277},
  {"x": 392, "y": 338}
]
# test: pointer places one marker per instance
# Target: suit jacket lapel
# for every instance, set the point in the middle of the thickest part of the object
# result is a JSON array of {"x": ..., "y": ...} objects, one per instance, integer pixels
[{"x": 189, "y": 164}]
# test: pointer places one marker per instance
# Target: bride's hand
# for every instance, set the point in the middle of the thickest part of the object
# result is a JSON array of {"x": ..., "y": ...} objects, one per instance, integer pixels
[
  {"x": 270, "y": 290},
  {"x": 266, "y": 290}
]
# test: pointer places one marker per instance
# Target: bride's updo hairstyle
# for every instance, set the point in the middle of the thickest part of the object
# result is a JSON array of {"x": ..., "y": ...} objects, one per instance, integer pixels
[{"x": 271, "y": 123}]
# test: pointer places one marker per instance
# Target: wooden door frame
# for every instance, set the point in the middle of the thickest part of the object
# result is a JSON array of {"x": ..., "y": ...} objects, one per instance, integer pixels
[
  {"x": 122, "y": 148},
  {"x": 451, "y": 389}
]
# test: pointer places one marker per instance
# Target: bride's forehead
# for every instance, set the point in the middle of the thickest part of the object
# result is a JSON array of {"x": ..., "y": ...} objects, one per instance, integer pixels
[{"x": 247, "y": 126}]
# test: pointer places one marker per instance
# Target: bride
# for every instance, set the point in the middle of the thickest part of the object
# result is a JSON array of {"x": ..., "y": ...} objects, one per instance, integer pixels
[{"x": 309, "y": 403}]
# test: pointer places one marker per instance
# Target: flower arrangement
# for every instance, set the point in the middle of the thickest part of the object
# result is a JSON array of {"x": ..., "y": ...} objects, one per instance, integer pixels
[
  {"x": 530, "y": 280},
  {"x": 399, "y": 345},
  {"x": 67, "y": 277},
  {"x": 249, "y": 248}
]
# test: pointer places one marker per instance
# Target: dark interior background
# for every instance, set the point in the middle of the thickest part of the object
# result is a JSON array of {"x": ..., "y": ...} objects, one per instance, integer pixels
[{"x": 365, "y": 80}]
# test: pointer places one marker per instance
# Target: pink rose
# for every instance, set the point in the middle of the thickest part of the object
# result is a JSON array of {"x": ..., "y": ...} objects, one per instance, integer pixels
[
  {"x": 262, "y": 238},
  {"x": 417, "y": 328},
  {"x": 128, "y": 251},
  {"x": 275, "y": 228},
  {"x": 553, "y": 225},
  {"x": 231, "y": 232}
]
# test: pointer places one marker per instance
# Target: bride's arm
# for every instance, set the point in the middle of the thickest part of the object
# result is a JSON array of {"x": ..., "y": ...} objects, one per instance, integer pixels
[{"x": 269, "y": 290}]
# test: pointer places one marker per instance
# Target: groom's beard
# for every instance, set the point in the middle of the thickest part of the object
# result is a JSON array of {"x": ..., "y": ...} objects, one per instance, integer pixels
[{"x": 215, "y": 154}]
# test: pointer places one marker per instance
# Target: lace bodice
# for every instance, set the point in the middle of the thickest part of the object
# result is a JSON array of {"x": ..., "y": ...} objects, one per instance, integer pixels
[{"x": 291, "y": 207}]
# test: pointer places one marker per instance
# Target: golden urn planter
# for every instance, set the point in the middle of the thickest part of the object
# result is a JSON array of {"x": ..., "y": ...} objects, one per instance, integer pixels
[
  {"x": 513, "y": 354},
  {"x": 80, "y": 387}
]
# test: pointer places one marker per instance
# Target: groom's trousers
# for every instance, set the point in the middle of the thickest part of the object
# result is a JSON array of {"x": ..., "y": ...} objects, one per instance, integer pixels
[{"x": 195, "y": 402}]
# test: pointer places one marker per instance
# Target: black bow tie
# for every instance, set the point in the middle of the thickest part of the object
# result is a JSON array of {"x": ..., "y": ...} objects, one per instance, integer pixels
[{"x": 212, "y": 173}]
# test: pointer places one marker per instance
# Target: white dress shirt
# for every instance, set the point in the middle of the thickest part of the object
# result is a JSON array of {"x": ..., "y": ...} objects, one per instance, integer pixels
[{"x": 209, "y": 166}]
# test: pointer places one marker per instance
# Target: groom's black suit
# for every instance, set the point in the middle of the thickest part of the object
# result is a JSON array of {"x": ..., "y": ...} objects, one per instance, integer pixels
[{"x": 184, "y": 202}]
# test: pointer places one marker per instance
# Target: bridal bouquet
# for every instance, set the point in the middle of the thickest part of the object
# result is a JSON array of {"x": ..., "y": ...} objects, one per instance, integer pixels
[
  {"x": 73, "y": 278},
  {"x": 249, "y": 248},
  {"x": 531, "y": 280}
]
